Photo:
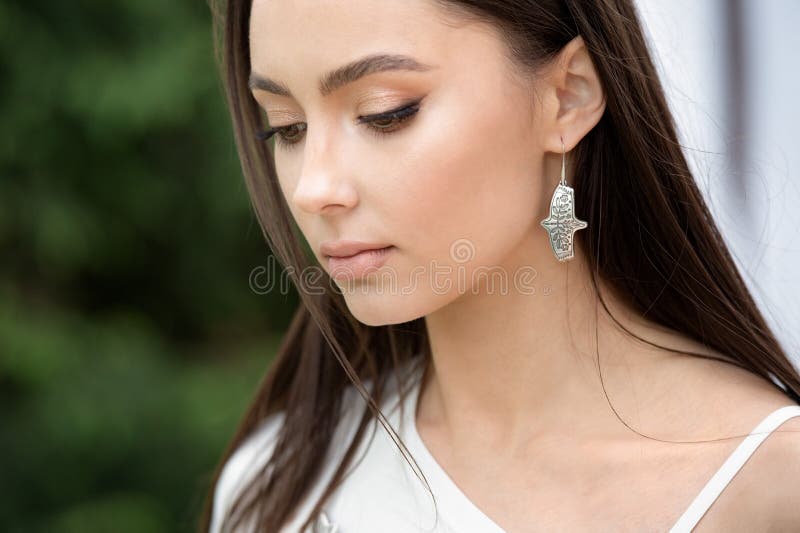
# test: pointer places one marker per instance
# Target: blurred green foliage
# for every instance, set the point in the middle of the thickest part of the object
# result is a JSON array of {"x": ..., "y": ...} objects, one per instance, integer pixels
[{"x": 130, "y": 340}]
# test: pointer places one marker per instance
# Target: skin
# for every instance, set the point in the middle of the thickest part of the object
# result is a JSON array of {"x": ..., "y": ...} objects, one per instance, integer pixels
[{"x": 479, "y": 161}]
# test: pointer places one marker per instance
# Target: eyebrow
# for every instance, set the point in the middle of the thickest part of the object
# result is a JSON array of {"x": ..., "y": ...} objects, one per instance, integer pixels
[{"x": 346, "y": 74}]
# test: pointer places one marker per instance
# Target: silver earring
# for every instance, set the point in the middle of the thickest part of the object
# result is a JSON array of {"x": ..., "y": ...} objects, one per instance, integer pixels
[
  {"x": 562, "y": 224},
  {"x": 323, "y": 524}
]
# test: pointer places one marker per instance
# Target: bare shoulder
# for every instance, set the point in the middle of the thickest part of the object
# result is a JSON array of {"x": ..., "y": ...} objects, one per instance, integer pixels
[
  {"x": 738, "y": 399},
  {"x": 780, "y": 474},
  {"x": 763, "y": 494}
]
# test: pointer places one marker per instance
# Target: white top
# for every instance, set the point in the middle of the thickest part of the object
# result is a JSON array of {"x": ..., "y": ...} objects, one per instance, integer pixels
[{"x": 383, "y": 494}]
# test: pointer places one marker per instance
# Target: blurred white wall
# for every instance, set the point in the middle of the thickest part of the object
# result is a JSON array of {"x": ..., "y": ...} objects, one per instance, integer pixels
[{"x": 733, "y": 83}]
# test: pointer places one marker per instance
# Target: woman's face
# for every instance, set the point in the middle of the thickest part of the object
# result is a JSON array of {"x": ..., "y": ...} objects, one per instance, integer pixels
[{"x": 455, "y": 186}]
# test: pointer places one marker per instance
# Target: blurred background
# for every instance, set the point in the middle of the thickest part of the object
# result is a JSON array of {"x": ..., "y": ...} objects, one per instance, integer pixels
[
  {"x": 130, "y": 340},
  {"x": 730, "y": 71}
]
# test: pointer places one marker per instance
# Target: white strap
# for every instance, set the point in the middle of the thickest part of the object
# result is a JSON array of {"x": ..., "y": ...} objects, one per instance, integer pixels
[{"x": 735, "y": 461}]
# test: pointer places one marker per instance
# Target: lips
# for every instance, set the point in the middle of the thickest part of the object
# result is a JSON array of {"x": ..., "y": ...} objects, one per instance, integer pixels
[
  {"x": 358, "y": 265},
  {"x": 344, "y": 248}
]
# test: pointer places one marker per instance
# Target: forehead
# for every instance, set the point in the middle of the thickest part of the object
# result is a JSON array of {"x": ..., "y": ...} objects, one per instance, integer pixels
[
  {"x": 307, "y": 23},
  {"x": 299, "y": 37}
]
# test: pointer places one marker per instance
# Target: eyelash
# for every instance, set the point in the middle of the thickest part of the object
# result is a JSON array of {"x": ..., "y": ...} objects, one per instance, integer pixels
[{"x": 398, "y": 116}]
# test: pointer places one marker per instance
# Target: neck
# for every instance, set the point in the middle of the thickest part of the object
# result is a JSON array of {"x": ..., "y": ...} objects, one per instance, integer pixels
[{"x": 523, "y": 366}]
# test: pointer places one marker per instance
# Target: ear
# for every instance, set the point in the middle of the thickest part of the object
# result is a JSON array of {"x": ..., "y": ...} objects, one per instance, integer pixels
[{"x": 576, "y": 94}]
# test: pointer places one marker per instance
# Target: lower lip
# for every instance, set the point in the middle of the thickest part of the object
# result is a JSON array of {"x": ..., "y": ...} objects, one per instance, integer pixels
[{"x": 358, "y": 265}]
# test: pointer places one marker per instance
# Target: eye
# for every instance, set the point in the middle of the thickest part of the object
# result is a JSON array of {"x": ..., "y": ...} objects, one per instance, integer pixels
[
  {"x": 379, "y": 124},
  {"x": 385, "y": 123},
  {"x": 287, "y": 135}
]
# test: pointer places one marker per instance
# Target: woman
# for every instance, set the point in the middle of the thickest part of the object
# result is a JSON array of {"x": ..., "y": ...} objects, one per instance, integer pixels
[{"x": 547, "y": 300}]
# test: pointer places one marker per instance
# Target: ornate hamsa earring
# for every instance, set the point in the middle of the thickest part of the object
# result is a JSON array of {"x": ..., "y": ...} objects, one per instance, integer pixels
[{"x": 562, "y": 224}]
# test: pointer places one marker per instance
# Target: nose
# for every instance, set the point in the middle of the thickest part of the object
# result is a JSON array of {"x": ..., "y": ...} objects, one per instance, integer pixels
[{"x": 323, "y": 186}]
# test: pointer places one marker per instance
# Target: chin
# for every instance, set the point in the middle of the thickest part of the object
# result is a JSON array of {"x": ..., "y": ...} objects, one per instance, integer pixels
[{"x": 376, "y": 309}]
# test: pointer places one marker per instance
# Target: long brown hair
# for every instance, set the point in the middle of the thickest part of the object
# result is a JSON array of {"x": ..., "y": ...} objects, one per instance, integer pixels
[{"x": 651, "y": 238}]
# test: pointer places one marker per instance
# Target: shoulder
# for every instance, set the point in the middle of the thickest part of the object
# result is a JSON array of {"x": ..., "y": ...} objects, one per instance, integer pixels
[
  {"x": 734, "y": 401},
  {"x": 250, "y": 456},
  {"x": 780, "y": 475},
  {"x": 258, "y": 447},
  {"x": 255, "y": 450},
  {"x": 763, "y": 494}
]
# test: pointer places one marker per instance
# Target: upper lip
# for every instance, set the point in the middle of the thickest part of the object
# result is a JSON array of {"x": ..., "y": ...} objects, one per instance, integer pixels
[{"x": 347, "y": 248}]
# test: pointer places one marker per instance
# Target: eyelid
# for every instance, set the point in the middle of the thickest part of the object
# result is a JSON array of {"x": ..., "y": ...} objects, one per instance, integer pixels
[
  {"x": 402, "y": 113},
  {"x": 364, "y": 118},
  {"x": 387, "y": 114}
]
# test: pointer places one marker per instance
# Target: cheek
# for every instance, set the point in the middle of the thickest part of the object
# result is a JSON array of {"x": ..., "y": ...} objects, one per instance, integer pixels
[
  {"x": 469, "y": 176},
  {"x": 287, "y": 179},
  {"x": 286, "y": 172}
]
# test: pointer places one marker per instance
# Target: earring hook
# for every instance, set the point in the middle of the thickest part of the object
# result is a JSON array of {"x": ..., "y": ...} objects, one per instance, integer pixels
[{"x": 563, "y": 163}]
